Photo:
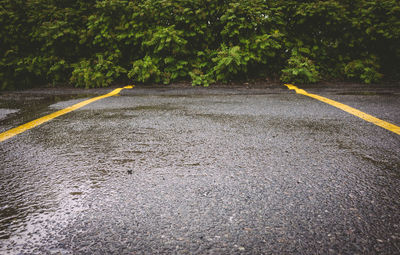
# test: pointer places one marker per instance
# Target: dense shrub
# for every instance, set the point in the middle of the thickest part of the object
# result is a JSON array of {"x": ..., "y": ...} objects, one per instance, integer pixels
[
  {"x": 99, "y": 73},
  {"x": 300, "y": 69},
  {"x": 94, "y": 43},
  {"x": 365, "y": 70}
]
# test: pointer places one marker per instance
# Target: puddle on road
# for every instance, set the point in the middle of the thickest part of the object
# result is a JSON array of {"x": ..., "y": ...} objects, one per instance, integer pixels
[
  {"x": 17, "y": 109},
  {"x": 5, "y": 112},
  {"x": 33, "y": 200}
]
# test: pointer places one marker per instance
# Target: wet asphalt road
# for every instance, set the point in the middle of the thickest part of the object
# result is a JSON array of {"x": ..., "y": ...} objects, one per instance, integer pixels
[{"x": 202, "y": 171}]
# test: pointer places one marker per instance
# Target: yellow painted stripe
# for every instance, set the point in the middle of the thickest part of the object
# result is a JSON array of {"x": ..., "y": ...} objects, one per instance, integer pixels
[
  {"x": 351, "y": 110},
  {"x": 15, "y": 131}
]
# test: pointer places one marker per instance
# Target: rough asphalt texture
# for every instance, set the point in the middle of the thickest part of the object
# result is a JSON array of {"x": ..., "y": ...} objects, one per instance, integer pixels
[{"x": 201, "y": 171}]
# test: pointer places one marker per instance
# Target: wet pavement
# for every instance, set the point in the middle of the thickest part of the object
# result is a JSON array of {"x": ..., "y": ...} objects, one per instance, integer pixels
[{"x": 199, "y": 171}]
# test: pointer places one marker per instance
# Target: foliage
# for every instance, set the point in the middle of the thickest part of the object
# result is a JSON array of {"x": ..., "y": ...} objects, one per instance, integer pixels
[
  {"x": 300, "y": 69},
  {"x": 96, "y": 73},
  {"x": 200, "y": 79},
  {"x": 145, "y": 70},
  {"x": 94, "y": 43},
  {"x": 229, "y": 62},
  {"x": 365, "y": 70}
]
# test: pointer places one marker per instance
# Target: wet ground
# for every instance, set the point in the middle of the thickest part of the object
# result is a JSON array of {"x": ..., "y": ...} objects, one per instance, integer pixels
[{"x": 190, "y": 170}]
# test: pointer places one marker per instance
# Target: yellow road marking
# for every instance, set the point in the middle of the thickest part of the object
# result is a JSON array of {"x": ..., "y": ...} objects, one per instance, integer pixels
[
  {"x": 351, "y": 110},
  {"x": 15, "y": 131}
]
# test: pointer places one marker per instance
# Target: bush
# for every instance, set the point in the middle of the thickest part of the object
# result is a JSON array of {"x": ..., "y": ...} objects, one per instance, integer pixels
[
  {"x": 229, "y": 63},
  {"x": 365, "y": 70},
  {"x": 300, "y": 69},
  {"x": 91, "y": 43},
  {"x": 200, "y": 79},
  {"x": 96, "y": 73},
  {"x": 145, "y": 70}
]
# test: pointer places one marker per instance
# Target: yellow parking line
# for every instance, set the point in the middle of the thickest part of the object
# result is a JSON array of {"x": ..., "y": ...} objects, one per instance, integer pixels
[
  {"x": 351, "y": 110},
  {"x": 15, "y": 131}
]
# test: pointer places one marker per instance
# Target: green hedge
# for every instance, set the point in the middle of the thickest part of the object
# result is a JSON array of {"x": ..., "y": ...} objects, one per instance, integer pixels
[{"x": 92, "y": 43}]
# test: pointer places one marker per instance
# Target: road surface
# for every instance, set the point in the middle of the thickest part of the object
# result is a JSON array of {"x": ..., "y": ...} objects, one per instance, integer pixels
[{"x": 201, "y": 171}]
